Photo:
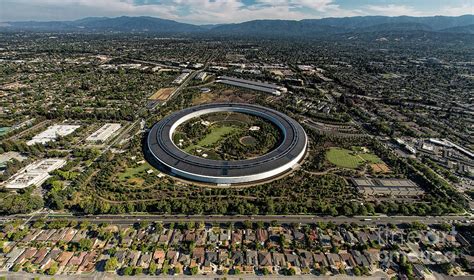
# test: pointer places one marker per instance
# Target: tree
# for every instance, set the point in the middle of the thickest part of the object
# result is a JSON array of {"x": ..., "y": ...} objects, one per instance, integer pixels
[
  {"x": 16, "y": 267},
  {"x": 127, "y": 271},
  {"x": 111, "y": 264},
  {"x": 138, "y": 270},
  {"x": 235, "y": 271},
  {"x": 152, "y": 268},
  {"x": 53, "y": 269},
  {"x": 85, "y": 244},
  {"x": 194, "y": 270},
  {"x": 357, "y": 271}
]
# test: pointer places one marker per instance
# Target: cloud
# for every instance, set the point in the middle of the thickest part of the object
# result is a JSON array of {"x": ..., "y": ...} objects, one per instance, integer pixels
[
  {"x": 392, "y": 10},
  {"x": 463, "y": 9}
]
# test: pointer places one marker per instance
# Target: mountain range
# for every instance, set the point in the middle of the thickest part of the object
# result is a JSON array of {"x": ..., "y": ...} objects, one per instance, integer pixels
[{"x": 270, "y": 28}]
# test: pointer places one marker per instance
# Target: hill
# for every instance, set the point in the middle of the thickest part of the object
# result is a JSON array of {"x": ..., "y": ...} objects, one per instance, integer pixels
[{"x": 266, "y": 28}]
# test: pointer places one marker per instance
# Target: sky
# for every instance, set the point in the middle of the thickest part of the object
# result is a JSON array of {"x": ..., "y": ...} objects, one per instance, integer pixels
[{"x": 226, "y": 11}]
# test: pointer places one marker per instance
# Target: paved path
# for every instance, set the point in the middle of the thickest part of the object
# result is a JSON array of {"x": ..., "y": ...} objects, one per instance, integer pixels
[{"x": 110, "y": 276}]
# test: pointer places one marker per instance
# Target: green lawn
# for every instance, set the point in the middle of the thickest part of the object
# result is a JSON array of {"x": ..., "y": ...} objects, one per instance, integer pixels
[
  {"x": 133, "y": 172},
  {"x": 349, "y": 159},
  {"x": 215, "y": 136},
  {"x": 4, "y": 130},
  {"x": 371, "y": 158}
]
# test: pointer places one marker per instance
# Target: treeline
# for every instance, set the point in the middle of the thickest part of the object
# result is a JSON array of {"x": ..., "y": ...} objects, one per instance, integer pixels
[
  {"x": 265, "y": 139},
  {"x": 23, "y": 202},
  {"x": 128, "y": 113}
]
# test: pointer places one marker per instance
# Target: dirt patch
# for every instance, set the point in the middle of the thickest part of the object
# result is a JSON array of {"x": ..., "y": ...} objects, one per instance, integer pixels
[
  {"x": 162, "y": 94},
  {"x": 380, "y": 168},
  {"x": 224, "y": 96},
  {"x": 13, "y": 86},
  {"x": 248, "y": 141},
  {"x": 136, "y": 181}
]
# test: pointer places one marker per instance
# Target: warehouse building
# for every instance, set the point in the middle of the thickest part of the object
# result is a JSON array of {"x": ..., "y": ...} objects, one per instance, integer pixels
[
  {"x": 387, "y": 187},
  {"x": 258, "y": 86},
  {"x": 34, "y": 174},
  {"x": 104, "y": 133},
  {"x": 52, "y": 133}
]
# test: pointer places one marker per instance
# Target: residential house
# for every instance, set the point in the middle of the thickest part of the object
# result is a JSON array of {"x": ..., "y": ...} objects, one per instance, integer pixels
[
  {"x": 212, "y": 237},
  {"x": 144, "y": 260},
  {"x": 172, "y": 257},
  {"x": 320, "y": 260},
  {"x": 335, "y": 262},
  {"x": 40, "y": 255},
  {"x": 236, "y": 237},
  {"x": 63, "y": 259},
  {"x": 249, "y": 236},
  {"x": 69, "y": 235},
  {"x": 177, "y": 237},
  {"x": 360, "y": 258},
  {"x": 88, "y": 262},
  {"x": 278, "y": 260},
  {"x": 26, "y": 255},
  {"x": 348, "y": 260},
  {"x": 306, "y": 259},
  {"x": 159, "y": 256},
  {"x": 50, "y": 257},
  {"x": 265, "y": 260},
  {"x": 12, "y": 256}
]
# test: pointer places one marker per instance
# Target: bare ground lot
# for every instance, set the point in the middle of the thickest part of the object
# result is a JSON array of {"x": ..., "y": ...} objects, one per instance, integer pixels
[{"x": 162, "y": 94}]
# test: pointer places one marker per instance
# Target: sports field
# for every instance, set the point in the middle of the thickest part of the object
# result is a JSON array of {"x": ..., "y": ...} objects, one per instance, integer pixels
[{"x": 350, "y": 159}]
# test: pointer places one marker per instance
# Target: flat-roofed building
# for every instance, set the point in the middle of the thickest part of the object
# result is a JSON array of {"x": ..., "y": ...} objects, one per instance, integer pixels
[
  {"x": 201, "y": 76},
  {"x": 387, "y": 187},
  {"x": 52, "y": 133},
  {"x": 254, "y": 85},
  {"x": 35, "y": 173},
  {"x": 181, "y": 78},
  {"x": 104, "y": 133}
]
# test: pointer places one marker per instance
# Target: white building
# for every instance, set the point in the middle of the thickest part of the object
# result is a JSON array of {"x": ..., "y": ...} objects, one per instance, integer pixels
[
  {"x": 201, "y": 76},
  {"x": 52, "y": 133},
  {"x": 104, "y": 133},
  {"x": 181, "y": 78},
  {"x": 34, "y": 174}
]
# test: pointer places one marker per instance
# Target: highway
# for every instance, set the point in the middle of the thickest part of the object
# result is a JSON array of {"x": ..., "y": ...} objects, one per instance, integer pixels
[{"x": 133, "y": 218}]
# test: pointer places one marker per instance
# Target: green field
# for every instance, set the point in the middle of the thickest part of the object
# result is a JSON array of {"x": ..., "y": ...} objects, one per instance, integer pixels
[
  {"x": 134, "y": 172},
  {"x": 350, "y": 159},
  {"x": 217, "y": 133},
  {"x": 4, "y": 130}
]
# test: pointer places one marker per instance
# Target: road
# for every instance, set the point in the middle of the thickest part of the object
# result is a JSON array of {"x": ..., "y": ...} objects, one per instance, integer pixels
[
  {"x": 109, "y": 276},
  {"x": 133, "y": 218}
]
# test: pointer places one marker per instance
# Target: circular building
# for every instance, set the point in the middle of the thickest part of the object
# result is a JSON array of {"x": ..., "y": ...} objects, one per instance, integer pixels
[{"x": 290, "y": 151}]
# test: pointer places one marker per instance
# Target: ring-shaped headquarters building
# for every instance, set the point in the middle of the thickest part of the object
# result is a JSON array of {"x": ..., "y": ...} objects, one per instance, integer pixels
[{"x": 290, "y": 151}]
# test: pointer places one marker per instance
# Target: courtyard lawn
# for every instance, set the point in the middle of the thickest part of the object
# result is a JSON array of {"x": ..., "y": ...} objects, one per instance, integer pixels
[
  {"x": 350, "y": 159},
  {"x": 215, "y": 136}
]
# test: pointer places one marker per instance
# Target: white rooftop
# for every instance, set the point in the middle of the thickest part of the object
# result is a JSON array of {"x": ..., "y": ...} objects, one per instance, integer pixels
[
  {"x": 35, "y": 173},
  {"x": 52, "y": 133},
  {"x": 104, "y": 133}
]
